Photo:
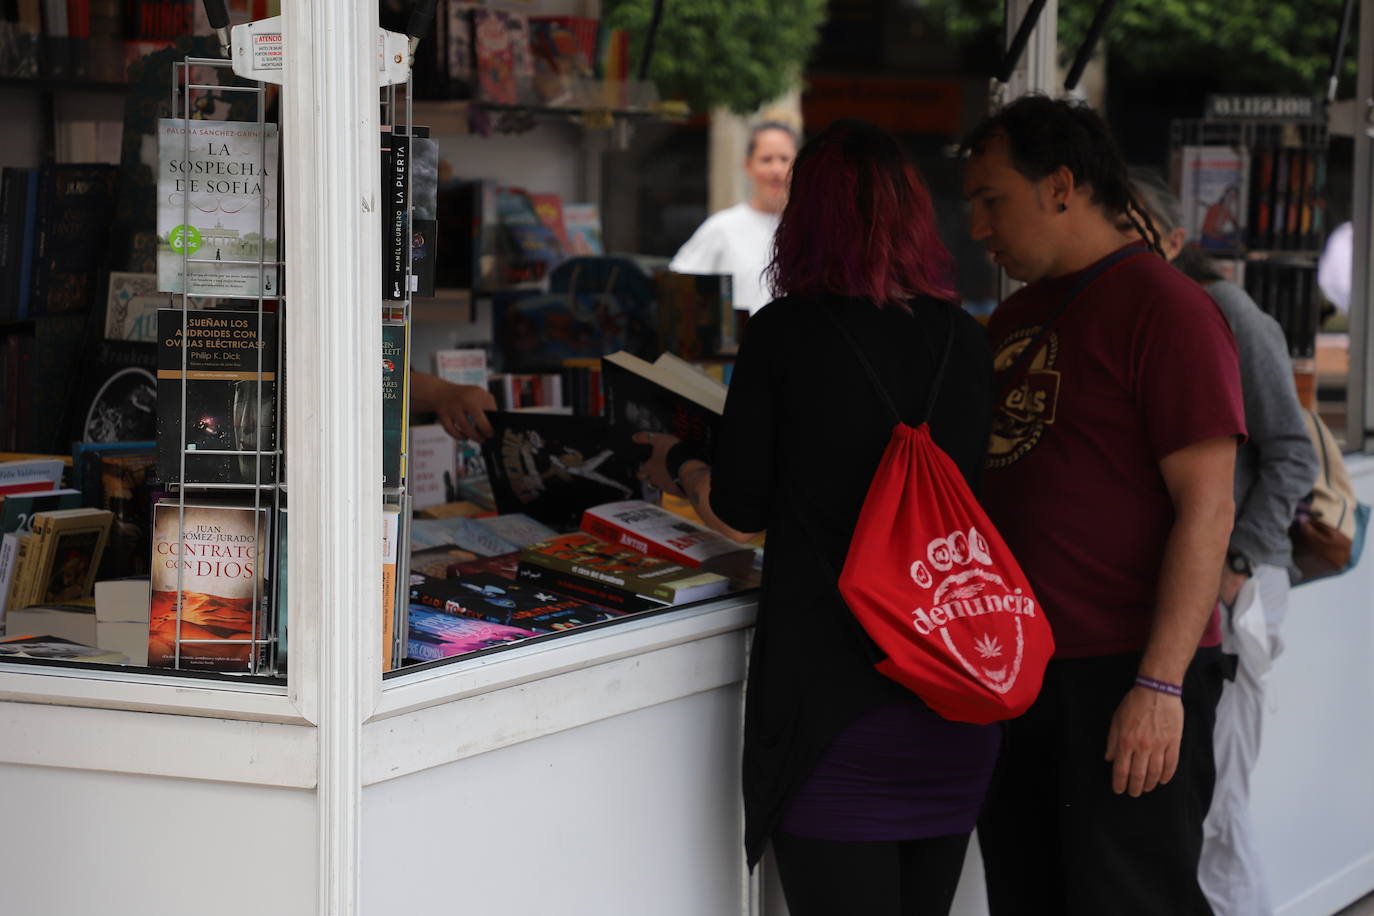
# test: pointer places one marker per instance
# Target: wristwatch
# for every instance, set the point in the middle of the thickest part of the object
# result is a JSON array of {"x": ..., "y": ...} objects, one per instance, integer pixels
[{"x": 1239, "y": 563}]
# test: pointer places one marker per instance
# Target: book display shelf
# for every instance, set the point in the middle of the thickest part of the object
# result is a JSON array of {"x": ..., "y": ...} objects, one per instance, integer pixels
[{"x": 1254, "y": 199}]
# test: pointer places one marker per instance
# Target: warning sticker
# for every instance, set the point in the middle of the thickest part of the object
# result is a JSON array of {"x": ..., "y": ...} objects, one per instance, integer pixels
[{"x": 267, "y": 51}]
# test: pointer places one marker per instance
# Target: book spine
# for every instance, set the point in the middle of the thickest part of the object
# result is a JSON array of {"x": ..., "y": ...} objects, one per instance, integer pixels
[
  {"x": 585, "y": 589},
  {"x": 9, "y": 555},
  {"x": 21, "y": 561},
  {"x": 29, "y": 244},
  {"x": 395, "y": 232},
  {"x": 11, "y": 241},
  {"x": 391, "y": 527},
  {"x": 621, "y": 580},
  {"x": 38, "y": 540}
]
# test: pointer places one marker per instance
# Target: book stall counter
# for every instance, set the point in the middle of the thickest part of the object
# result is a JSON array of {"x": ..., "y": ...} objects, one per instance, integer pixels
[{"x": 606, "y": 735}]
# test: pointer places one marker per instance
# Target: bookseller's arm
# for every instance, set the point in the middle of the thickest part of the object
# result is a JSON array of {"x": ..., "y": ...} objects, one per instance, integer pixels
[
  {"x": 1145, "y": 733},
  {"x": 460, "y": 408}
]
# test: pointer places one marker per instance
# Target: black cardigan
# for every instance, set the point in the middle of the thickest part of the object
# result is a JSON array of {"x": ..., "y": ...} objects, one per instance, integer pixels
[{"x": 802, "y": 434}]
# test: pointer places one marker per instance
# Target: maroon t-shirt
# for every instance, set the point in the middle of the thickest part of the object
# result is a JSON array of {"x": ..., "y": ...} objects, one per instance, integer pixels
[{"x": 1141, "y": 365}]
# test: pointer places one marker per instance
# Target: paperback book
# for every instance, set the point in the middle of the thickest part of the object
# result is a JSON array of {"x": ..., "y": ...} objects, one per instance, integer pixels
[
  {"x": 1213, "y": 189},
  {"x": 498, "y": 600},
  {"x": 575, "y": 586},
  {"x": 435, "y": 635},
  {"x": 552, "y": 468},
  {"x": 211, "y": 568},
  {"x": 591, "y": 558},
  {"x": 395, "y": 387},
  {"x": 657, "y": 532},
  {"x": 230, "y": 379},
  {"x": 217, "y": 208},
  {"x": 63, "y": 554}
]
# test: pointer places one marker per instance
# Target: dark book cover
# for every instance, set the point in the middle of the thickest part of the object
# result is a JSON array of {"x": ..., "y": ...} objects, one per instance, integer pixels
[
  {"x": 538, "y": 331},
  {"x": 1297, "y": 171},
  {"x": 1279, "y": 213},
  {"x": 14, "y": 191},
  {"x": 553, "y": 467},
  {"x": 127, "y": 485},
  {"x": 696, "y": 314},
  {"x": 575, "y": 586},
  {"x": 502, "y": 565},
  {"x": 395, "y": 214},
  {"x": 116, "y": 392},
  {"x": 635, "y": 403},
  {"x": 424, "y": 203},
  {"x": 394, "y": 383},
  {"x": 1261, "y": 196},
  {"x": 72, "y": 243},
  {"x": 501, "y": 601},
  {"x": 230, "y": 380},
  {"x": 47, "y": 383},
  {"x": 459, "y": 217},
  {"x": 531, "y": 249}
]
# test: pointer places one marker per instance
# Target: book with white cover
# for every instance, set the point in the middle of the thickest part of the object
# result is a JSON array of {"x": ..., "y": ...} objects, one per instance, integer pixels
[{"x": 659, "y": 533}]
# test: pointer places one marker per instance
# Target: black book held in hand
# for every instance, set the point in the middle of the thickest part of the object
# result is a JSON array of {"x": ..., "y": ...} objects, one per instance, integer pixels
[{"x": 553, "y": 467}]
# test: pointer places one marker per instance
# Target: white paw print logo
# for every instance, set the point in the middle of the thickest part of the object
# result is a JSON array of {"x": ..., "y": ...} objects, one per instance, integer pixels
[{"x": 958, "y": 549}]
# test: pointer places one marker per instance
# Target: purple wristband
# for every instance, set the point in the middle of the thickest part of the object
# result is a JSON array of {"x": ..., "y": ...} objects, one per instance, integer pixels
[{"x": 1172, "y": 690}]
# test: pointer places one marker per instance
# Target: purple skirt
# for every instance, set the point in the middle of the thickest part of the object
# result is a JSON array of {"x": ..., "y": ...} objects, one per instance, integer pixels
[{"x": 898, "y": 773}]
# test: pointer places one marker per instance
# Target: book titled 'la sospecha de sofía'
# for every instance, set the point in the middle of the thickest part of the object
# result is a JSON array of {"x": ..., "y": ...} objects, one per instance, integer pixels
[{"x": 217, "y": 208}]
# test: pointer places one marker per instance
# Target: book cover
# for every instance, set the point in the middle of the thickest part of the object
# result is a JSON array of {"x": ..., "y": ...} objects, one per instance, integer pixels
[
  {"x": 574, "y": 586},
  {"x": 549, "y": 209},
  {"x": 460, "y": 508},
  {"x": 30, "y": 474},
  {"x": 1214, "y": 188},
  {"x": 503, "y": 566},
  {"x": 127, "y": 486},
  {"x": 696, "y": 314},
  {"x": 68, "y": 545},
  {"x": 553, "y": 467},
  {"x": 439, "y": 562},
  {"x": 395, "y": 213},
  {"x": 582, "y": 222},
  {"x": 230, "y": 379},
  {"x": 435, "y": 635},
  {"x": 657, "y": 532},
  {"x": 55, "y": 648},
  {"x": 666, "y": 396},
  {"x": 562, "y": 48},
  {"x": 217, "y": 208},
  {"x": 73, "y": 232},
  {"x": 459, "y": 50},
  {"x": 601, "y": 561},
  {"x": 457, "y": 531},
  {"x": 539, "y": 331},
  {"x": 216, "y": 556},
  {"x": 433, "y": 462},
  {"x": 116, "y": 392},
  {"x": 517, "y": 528},
  {"x": 462, "y": 367},
  {"x": 501, "y": 48},
  {"x": 131, "y": 304},
  {"x": 395, "y": 382},
  {"x": 1261, "y": 197},
  {"x": 499, "y": 600},
  {"x": 424, "y": 203},
  {"x": 391, "y": 532},
  {"x": 531, "y": 248},
  {"x": 17, "y": 510}
]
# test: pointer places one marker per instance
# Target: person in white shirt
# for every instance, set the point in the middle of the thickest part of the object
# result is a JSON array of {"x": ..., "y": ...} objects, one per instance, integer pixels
[{"x": 739, "y": 240}]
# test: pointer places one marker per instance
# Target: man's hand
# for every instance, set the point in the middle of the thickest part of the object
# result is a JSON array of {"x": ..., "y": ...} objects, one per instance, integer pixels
[
  {"x": 655, "y": 467},
  {"x": 1231, "y": 583},
  {"x": 460, "y": 409},
  {"x": 1143, "y": 741}
]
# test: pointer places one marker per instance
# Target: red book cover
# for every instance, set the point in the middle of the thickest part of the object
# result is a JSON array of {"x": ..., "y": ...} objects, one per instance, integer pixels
[{"x": 216, "y": 556}]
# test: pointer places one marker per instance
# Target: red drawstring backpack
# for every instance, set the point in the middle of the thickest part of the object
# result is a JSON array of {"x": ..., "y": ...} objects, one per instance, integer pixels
[{"x": 931, "y": 581}]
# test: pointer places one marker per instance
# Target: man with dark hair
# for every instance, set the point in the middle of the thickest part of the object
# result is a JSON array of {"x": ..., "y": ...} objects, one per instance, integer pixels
[{"x": 1109, "y": 474}]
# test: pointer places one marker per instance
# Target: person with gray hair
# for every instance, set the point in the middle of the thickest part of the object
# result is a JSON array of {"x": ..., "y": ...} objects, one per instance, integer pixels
[{"x": 1275, "y": 468}]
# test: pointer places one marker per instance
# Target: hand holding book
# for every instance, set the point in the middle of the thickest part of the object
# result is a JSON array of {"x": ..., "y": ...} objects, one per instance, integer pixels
[{"x": 693, "y": 480}]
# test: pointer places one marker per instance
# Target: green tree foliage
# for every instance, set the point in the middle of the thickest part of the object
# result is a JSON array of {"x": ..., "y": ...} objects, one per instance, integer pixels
[
  {"x": 1261, "y": 44},
  {"x": 736, "y": 53}
]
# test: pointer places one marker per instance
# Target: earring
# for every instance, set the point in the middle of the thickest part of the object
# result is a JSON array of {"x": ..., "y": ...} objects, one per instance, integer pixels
[{"x": 1063, "y": 207}]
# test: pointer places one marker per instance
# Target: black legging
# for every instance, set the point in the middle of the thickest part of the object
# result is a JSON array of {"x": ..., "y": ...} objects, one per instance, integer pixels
[{"x": 901, "y": 878}]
